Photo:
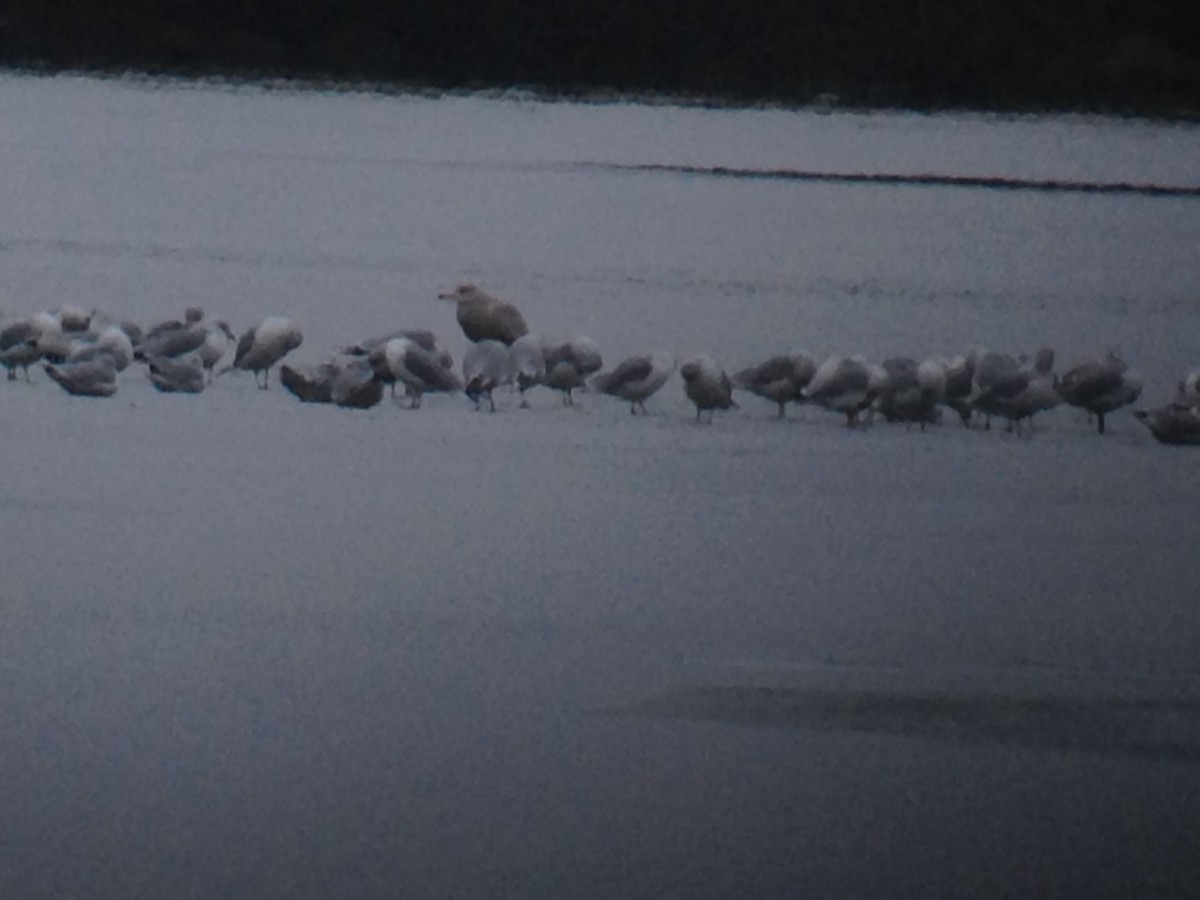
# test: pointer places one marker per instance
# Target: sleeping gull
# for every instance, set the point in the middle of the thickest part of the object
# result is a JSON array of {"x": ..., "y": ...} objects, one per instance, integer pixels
[
  {"x": 176, "y": 376},
  {"x": 218, "y": 339},
  {"x": 90, "y": 378},
  {"x": 311, "y": 384},
  {"x": 1019, "y": 395},
  {"x": 41, "y": 336},
  {"x": 73, "y": 319},
  {"x": 1188, "y": 394},
  {"x": 419, "y": 370},
  {"x": 707, "y": 386},
  {"x": 636, "y": 379},
  {"x": 420, "y": 336},
  {"x": 529, "y": 363},
  {"x": 910, "y": 391},
  {"x": 844, "y": 384},
  {"x": 356, "y": 385},
  {"x": 56, "y": 345},
  {"x": 191, "y": 315},
  {"x": 114, "y": 341},
  {"x": 266, "y": 344},
  {"x": 486, "y": 366},
  {"x": 570, "y": 364},
  {"x": 959, "y": 384},
  {"x": 483, "y": 317},
  {"x": 174, "y": 339},
  {"x": 372, "y": 348},
  {"x": 1172, "y": 424},
  {"x": 780, "y": 379},
  {"x": 1100, "y": 386},
  {"x": 19, "y": 345}
]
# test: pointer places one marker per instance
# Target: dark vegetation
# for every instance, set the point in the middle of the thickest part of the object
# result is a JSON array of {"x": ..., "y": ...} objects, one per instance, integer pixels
[{"x": 1120, "y": 56}]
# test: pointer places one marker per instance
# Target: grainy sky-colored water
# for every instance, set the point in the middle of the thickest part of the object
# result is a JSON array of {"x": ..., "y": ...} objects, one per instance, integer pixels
[{"x": 255, "y": 648}]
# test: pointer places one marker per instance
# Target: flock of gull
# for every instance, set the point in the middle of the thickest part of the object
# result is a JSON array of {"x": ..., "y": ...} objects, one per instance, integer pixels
[{"x": 83, "y": 352}]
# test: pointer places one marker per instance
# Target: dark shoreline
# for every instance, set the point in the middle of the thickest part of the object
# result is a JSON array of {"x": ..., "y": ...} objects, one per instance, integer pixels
[
  {"x": 1021, "y": 57},
  {"x": 598, "y": 96}
]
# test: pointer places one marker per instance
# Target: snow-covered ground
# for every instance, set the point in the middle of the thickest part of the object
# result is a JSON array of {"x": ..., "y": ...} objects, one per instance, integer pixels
[{"x": 250, "y": 647}]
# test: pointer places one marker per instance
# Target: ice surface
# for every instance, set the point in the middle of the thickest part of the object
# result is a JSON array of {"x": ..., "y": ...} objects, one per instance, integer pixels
[{"x": 254, "y": 647}]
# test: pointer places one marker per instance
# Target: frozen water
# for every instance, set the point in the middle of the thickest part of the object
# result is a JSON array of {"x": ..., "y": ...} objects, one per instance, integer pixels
[{"x": 252, "y": 647}]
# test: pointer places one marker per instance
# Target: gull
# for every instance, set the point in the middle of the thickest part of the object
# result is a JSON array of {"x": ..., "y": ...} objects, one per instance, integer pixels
[
  {"x": 311, "y": 384},
  {"x": 486, "y": 366},
  {"x": 73, "y": 319},
  {"x": 218, "y": 338},
  {"x": 780, "y": 379},
  {"x": 19, "y": 343},
  {"x": 1172, "y": 424},
  {"x": 176, "y": 376},
  {"x": 1100, "y": 387},
  {"x": 266, "y": 344},
  {"x": 910, "y": 391},
  {"x": 356, "y": 385},
  {"x": 1188, "y": 394},
  {"x": 170, "y": 340},
  {"x": 529, "y": 363},
  {"x": 112, "y": 340},
  {"x": 570, "y": 364},
  {"x": 959, "y": 384},
  {"x": 844, "y": 384},
  {"x": 1019, "y": 395},
  {"x": 419, "y": 370},
  {"x": 483, "y": 317},
  {"x": 636, "y": 379},
  {"x": 707, "y": 386},
  {"x": 90, "y": 378},
  {"x": 372, "y": 348}
]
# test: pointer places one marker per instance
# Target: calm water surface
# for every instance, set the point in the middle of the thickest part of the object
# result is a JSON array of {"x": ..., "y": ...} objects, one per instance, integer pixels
[{"x": 255, "y": 648}]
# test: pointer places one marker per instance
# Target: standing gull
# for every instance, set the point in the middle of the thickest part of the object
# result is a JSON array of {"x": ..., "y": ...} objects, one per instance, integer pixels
[
  {"x": 1019, "y": 395},
  {"x": 636, "y": 379},
  {"x": 486, "y": 366},
  {"x": 780, "y": 379},
  {"x": 529, "y": 363},
  {"x": 19, "y": 345},
  {"x": 959, "y": 384},
  {"x": 372, "y": 348},
  {"x": 419, "y": 370},
  {"x": 218, "y": 339},
  {"x": 910, "y": 391},
  {"x": 1100, "y": 387},
  {"x": 844, "y": 384},
  {"x": 263, "y": 346},
  {"x": 483, "y": 317},
  {"x": 570, "y": 364},
  {"x": 707, "y": 386}
]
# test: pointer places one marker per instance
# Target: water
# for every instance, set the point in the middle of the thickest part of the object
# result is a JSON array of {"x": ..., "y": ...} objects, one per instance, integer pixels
[{"x": 253, "y": 647}]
